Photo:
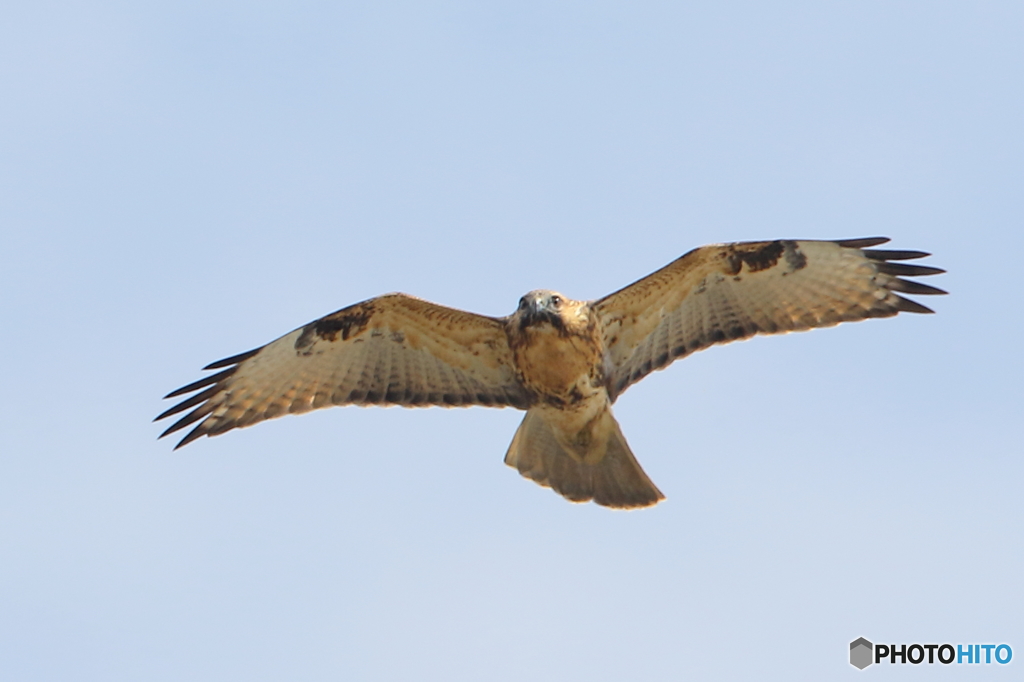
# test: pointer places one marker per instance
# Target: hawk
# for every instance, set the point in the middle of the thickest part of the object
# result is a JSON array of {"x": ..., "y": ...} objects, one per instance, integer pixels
[{"x": 562, "y": 361}]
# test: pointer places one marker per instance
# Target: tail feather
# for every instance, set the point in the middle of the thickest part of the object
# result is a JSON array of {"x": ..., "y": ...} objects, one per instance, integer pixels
[{"x": 615, "y": 479}]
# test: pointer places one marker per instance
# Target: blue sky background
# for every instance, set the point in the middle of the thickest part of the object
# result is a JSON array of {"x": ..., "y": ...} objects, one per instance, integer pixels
[{"x": 183, "y": 181}]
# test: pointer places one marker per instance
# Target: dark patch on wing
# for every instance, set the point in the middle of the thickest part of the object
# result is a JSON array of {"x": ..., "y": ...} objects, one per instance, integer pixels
[
  {"x": 795, "y": 258},
  {"x": 762, "y": 256},
  {"x": 756, "y": 257},
  {"x": 347, "y": 322}
]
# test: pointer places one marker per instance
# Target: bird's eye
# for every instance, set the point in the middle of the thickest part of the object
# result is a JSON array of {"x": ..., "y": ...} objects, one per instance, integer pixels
[
  {"x": 556, "y": 300},
  {"x": 522, "y": 302}
]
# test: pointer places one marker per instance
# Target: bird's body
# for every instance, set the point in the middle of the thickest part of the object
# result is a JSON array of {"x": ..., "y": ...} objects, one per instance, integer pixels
[{"x": 563, "y": 361}]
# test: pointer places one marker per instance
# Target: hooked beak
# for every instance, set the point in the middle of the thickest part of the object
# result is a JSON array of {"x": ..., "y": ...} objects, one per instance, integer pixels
[{"x": 534, "y": 305}]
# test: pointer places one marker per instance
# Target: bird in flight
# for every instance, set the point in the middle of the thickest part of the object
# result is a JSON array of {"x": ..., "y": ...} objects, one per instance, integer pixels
[{"x": 562, "y": 361}]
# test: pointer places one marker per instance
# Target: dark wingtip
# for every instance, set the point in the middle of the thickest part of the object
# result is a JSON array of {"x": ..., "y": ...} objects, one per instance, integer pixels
[
  {"x": 910, "y": 287},
  {"x": 886, "y": 254},
  {"x": 191, "y": 402},
  {"x": 192, "y": 416},
  {"x": 883, "y": 262},
  {"x": 905, "y": 270},
  {"x": 907, "y": 306},
  {"x": 192, "y": 435},
  {"x": 205, "y": 381},
  {"x": 215, "y": 382},
  {"x": 862, "y": 242},
  {"x": 233, "y": 360}
]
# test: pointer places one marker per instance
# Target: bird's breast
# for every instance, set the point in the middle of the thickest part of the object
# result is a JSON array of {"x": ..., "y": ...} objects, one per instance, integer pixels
[{"x": 562, "y": 370}]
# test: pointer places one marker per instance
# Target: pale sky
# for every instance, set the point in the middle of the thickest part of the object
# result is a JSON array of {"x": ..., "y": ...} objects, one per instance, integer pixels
[{"x": 180, "y": 182}]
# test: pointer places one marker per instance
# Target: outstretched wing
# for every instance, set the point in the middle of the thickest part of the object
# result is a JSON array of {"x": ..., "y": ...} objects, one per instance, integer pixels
[
  {"x": 390, "y": 350},
  {"x": 724, "y": 292}
]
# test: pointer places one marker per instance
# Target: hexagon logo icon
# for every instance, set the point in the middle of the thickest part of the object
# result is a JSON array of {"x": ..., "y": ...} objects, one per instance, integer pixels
[{"x": 861, "y": 653}]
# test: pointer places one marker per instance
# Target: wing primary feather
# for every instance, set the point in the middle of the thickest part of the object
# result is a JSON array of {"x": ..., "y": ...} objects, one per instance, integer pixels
[
  {"x": 907, "y": 270},
  {"x": 192, "y": 416},
  {"x": 907, "y": 306},
  {"x": 191, "y": 402},
  {"x": 234, "y": 359},
  {"x": 192, "y": 435},
  {"x": 885, "y": 254},
  {"x": 861, "y": 243},
  {"x": 205, "y": 381},
  {"x": 907, "y": 286}
]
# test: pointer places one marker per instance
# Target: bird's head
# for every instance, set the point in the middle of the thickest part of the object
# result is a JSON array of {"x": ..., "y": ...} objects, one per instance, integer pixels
[{"x": 542, "y": 307}]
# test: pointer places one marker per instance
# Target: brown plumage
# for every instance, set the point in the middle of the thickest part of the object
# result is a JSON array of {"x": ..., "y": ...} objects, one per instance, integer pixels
[{"x": 565, "y": 362}]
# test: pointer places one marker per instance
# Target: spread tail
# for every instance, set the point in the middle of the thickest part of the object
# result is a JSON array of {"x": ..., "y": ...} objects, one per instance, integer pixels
[{"x": 597, "y": 465}]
